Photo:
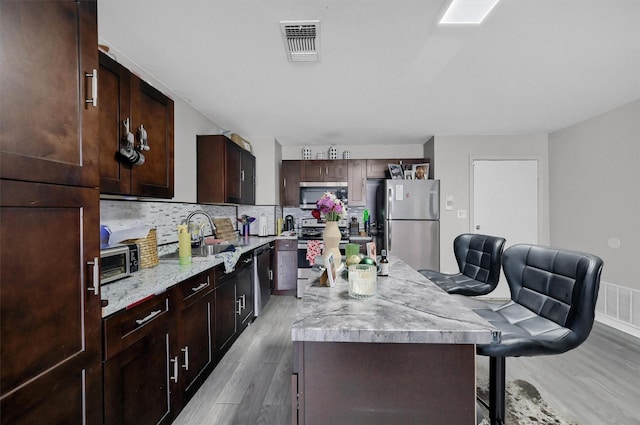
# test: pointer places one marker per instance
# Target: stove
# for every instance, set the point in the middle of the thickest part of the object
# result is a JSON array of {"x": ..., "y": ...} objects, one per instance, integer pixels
[{"x": 312, "y": 229}]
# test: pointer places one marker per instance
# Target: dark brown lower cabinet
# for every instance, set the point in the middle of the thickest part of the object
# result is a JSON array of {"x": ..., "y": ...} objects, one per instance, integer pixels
[
  {"x": 140, "y": 368},
  {"x": 286, "y": 267},
  {"x": 226, "y": 306},
  {"x": 233, "y": 302},
  {"x": 50, "y": 364},
  {"x": 384, "y": 384},
  {"x": 195, "y": 329}
]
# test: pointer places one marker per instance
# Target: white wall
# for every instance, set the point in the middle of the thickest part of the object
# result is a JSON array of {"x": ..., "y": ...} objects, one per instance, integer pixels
[
  {"x": 452, "y": 160},
  {"x": 358, "y": 151},
  {"x": 595, "y": 196}
]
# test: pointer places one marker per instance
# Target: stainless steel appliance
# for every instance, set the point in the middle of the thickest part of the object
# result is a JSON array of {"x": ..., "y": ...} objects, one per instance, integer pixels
[
  {"x": 310, "y": 192},
  {"x": 114, "y": 263},
  {"x": 412, "y": 222},
  {"x": 262, "y": 277}
]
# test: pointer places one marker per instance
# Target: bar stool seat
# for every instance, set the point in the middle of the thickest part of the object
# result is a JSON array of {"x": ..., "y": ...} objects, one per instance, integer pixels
[{"x": 551, "y": 311}]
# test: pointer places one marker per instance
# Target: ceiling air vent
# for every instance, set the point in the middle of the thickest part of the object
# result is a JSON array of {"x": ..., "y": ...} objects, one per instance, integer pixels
[{"x": 301, "y": 40}]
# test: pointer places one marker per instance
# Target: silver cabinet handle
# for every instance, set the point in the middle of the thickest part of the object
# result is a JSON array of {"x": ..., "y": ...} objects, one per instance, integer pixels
[
  {"x": 199, "y": 287},
  {"x": 149, "y": 317},
  {"x": 185, "y": 350},
  {"x": 174, "y": 378},
  {"x": 241, "y": 175},
  {"x": 93, "y": 100},
  {"x": 96, "y": 276},
  {"x": 239, "y": 310},
  {"x": 243, "y": 297},
  {"x": 248, "y": 260}
]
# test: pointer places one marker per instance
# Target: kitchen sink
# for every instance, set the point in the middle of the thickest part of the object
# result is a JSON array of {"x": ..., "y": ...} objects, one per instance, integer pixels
[{"x": 203, "y": 251}]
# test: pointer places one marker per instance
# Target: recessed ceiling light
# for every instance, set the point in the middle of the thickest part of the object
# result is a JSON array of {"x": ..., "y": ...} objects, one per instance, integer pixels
[{"x": 467, "y": 11}]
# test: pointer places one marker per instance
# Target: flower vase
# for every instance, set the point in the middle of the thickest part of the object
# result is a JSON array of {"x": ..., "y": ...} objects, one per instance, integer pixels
[{"x": 331, "y": 239}]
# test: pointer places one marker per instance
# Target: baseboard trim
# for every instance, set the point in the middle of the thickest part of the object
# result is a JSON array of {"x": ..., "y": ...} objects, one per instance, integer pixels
[{"x": 616, "y": 324}]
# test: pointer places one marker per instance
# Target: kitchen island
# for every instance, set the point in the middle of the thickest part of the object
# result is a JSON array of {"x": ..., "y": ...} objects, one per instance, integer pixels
[{"x": 405, "y": 356}]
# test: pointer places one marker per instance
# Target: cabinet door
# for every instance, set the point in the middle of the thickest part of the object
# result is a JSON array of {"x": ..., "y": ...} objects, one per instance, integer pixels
[
  {"x": 138, "y": 367},
  {"x": 154, "y": 111},
  {"x": 48, "y": 130},
  {"x": 211, "y": 171},
  {"x": 312, "y": 171},
  {"x": 50, "y": 304},
  {"x": 357, "y": 182},
  {"x": 245, "y": 290},
  {"x": 248, "y": 178},
  {"x": 137, "y": 382},
  {"x": 335, "y": 170},
  {"x": 195, "y": 330},
  {"x": 115, "y": 107},
  {"x": 286, "y": 267},
  {"x": 226, "y": 307},
  {"x": 290, "y": 183},
  {"x": 233, "y": 176}
]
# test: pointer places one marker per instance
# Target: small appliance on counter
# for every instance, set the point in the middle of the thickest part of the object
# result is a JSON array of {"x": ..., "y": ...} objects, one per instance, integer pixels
[
  {"x": 118, "y": 262},
  {"x": 289, "y": 223}
]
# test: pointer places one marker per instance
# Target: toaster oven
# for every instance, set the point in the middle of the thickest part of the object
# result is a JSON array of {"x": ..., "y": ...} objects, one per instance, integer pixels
[{"x": 114, "y": 263}]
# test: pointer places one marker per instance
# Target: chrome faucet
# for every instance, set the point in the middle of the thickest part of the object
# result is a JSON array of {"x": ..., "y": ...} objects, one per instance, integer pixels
[{"x": 200, "y": 237}]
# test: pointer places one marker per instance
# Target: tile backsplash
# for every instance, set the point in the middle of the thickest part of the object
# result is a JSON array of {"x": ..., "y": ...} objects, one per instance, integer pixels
[{"x": 165, "y": 216}]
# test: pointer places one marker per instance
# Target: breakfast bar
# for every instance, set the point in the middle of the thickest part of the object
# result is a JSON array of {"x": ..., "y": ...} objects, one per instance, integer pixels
[{"x": 405, "y": 355}]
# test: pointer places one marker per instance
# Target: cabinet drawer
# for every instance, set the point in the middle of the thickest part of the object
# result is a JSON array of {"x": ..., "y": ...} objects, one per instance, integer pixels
[
  {"x": 286, "y": 244},
  {"x": 125, "y": 328},
  {"x": 195, "y": 287}
]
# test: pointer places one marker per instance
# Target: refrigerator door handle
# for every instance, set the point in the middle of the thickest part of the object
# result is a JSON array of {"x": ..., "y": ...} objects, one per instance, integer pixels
[
  {"x": 388, "y": 237},
  {"x": 389, "y": 203}
]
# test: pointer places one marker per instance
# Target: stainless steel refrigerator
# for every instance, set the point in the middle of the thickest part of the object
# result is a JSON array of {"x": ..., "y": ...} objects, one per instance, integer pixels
[{"x": 412, "y": 222}]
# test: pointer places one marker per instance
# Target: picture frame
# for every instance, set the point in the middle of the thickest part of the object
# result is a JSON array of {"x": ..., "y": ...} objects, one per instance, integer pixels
[
  {"x": 330, "y": 265},
  {"x": 421, "y": 171},
  {"x": 396, "y": 171},
  {"x": 409, "y": 174}
]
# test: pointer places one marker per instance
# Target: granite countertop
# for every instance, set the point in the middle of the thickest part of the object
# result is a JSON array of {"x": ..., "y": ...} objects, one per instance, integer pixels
[
  {"x": 407, "y": 309},
  {"x": 167, "y": 273}
]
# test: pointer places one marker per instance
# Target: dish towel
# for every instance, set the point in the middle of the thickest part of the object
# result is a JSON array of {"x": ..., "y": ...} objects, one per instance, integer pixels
[
  {"x": 230, "y": 258},
  {"x": 314, "y": 249}
]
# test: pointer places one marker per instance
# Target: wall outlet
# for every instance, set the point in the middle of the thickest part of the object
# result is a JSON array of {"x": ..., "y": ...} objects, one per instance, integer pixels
[{"x": 462, "y": 213}]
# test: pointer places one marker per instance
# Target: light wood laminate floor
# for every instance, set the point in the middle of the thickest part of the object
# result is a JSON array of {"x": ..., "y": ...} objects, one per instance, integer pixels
[{"x": 595, "y": 384}]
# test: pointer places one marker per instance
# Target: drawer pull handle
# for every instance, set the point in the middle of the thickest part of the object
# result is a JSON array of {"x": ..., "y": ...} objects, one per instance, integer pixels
[
  {"x": 174, "y": 378},
  {"x": 93, "y": 100},
  {"x": 149, "y": 317},
  {"x": 248, "y": 260},
  {"x": 185, "y": 350},
  {"x": 199, "y": 287},
  {"x": 239, "y": 307},
  {"x": 243, "y": 297},
  {"x": 96, "y": 276}
]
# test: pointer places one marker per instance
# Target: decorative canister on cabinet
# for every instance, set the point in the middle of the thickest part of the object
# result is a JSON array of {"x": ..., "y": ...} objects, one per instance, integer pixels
[
  {"x": 306, "y": 153},
  {"x": 333, "y": 152},
  {"x": 346, "y": 155}
]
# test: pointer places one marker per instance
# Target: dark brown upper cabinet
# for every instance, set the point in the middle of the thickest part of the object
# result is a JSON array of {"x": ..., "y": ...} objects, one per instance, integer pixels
[
  {"x": 124, "y": 96},
  {"x": 226, "y": 172},
  {"x": 48, "y": 83}
]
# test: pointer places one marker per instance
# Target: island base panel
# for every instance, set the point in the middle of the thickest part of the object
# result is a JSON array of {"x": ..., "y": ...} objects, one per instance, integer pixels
[{"x": 383, "y": 384}]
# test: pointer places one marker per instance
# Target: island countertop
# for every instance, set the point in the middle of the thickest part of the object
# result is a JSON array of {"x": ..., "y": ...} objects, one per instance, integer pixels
[{"x": 408, "y": 308}]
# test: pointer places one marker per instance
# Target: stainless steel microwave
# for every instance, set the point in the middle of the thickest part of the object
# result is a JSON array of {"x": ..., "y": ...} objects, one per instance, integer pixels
[{"x": 310, "y": 192}]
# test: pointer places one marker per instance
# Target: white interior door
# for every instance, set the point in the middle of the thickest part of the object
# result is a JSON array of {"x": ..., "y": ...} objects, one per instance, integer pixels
[{"x": 505, "y": 203}]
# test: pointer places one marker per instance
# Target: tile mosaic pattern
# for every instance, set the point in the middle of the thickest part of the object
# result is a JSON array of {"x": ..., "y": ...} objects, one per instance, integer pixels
[{"x": 166, "y": 216}]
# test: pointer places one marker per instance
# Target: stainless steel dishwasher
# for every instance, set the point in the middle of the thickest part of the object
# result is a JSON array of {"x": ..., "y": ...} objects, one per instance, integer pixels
[{"x": 263, "y": 277}]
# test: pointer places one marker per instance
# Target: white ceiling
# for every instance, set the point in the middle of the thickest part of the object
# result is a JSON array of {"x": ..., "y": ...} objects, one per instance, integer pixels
[{"x": 388, "y": 73}]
